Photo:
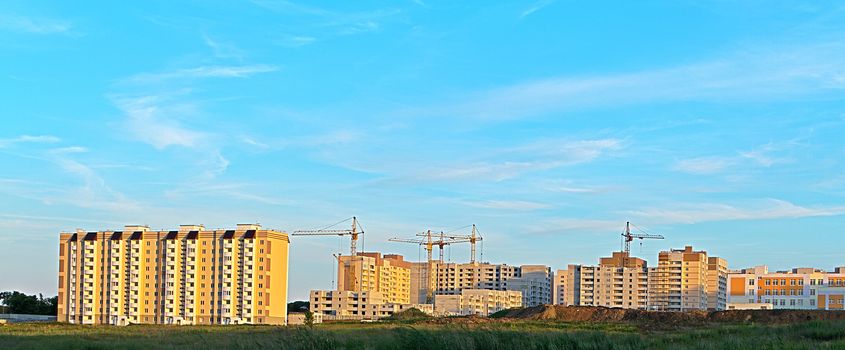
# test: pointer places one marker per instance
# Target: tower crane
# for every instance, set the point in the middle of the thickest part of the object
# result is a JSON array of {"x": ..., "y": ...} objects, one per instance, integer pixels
[
  {"x": 472, "y": 238},
  {"x": 428, "y": 240},
  {"x": 627, "y": 237},
  {"x": 354, "y": 231}
]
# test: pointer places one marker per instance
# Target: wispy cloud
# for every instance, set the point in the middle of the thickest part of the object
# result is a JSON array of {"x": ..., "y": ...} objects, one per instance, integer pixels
[
  {"x": 152, "y": 121},
  {"x": 337, "y": 22},
  {"x": 507, "y": 204},
  {"x": 295, "y": 40},
  {"x": 239, "y": 191},
  {"x": 763, "y": 74},
  {"x": 535, "y": 7},
  {"x": 760, "y": 156},
  {"x": 536, "y": 156},
  {"x": 28, "y": 139},
  {"x": 573, "y": 226},
  {"x": 245, "y": 71},
  {"x": 702, "y": 165},
  {"x": 223, "y": 50},
  {"x": 706, "y": 212},
  {"x": 34, "y": 25}
]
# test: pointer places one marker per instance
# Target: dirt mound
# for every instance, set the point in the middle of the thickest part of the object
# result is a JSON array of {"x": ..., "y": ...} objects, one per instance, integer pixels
[
  {"x": 409, "y": 314},
  {"x": 776, "y": 316},
  {"x": 603, "y": 314}
]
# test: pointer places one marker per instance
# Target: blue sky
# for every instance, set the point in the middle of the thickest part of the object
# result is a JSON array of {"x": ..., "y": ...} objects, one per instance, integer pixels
[{"x": 546, "y": 123}]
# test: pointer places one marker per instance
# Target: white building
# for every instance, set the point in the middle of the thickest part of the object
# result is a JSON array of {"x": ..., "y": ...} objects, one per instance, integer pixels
[{"x": 481, "y": 302}]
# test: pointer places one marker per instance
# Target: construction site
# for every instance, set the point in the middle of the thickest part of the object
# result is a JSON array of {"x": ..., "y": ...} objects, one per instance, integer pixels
[{"x": 373, "y": 285}]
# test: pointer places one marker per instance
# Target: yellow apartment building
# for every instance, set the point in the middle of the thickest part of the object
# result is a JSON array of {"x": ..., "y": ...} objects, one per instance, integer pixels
[
  {"x": 188, "y": 276},
  {"x": 390, "y": 275},
  {"x": 682, "y": 281}
]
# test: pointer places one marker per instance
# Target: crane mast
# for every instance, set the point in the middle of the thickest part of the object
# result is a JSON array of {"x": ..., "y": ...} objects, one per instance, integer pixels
[{"x": 353, "y": 232}]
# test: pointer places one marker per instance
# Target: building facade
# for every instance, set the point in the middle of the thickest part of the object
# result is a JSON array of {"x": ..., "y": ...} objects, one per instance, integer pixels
[
  {"x": 799, "y": 288},
  {"x": 681, "y": 281},
  {"x": 618, "y": 281},
  {"x": 186, "y": 276},
  {"x": 481, "y": 302},
  {"x": 349, "y": 305},
  {"x": 534, "y": 282},
  {"x": 389, "y": 275}
]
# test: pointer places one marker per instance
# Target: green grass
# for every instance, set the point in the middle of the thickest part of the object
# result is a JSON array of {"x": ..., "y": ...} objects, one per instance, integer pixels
[{"x": 486, "y": 335}]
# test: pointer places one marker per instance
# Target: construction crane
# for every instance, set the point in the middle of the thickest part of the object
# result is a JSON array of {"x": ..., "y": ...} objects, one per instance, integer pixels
[
  {"x": 473, "y": 238},
  {"x": 628, "y": 237},
  {"x": 354, "y": 232},
  {"x": 428, "y": 242}
]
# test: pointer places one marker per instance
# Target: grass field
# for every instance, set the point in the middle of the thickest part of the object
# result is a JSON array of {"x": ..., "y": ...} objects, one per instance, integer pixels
[{"x": 410, "y": 335}]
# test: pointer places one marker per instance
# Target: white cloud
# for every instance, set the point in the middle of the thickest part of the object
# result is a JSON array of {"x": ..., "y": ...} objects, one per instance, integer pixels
[
  {"x": 778, "y": 72},
  {"x": 703, "y": 165},
  {"x": 535, "y": 7},
  {"x": 507, "y": 204},
  {"x": 760, "y": 156},
  {"x": 536, "y": 156},
  {"x": 573, "y": 225},
  {"x": 155, "y": 123},
  {"x": 29, "y": 139},
  {"x": 296, "y": 40},
  {"x": 204, "y": 72},
  {"x": 705, "y": 212},
  {"x": 34, "y": 25},
  {"x": 223, "y": 50}
]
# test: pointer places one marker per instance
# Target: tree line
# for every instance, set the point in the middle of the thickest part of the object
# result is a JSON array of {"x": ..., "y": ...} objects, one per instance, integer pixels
[{"x": 20, "y": 303}]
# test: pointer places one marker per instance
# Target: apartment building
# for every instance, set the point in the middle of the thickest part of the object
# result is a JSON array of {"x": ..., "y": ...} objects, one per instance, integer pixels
[
  {"x": 186, "y": 276},
  {"x": 717, "y": 283},
  {"x": 535, "y": 281},
  {"x": 799, "y": 288},
  {"x": 349, "y": 305},
  {"x": 619, "y": 281},
  {"x": 370, "y": 271},
  {"x": 481, "y": 302},
  {"x": 681, "y": 281}
]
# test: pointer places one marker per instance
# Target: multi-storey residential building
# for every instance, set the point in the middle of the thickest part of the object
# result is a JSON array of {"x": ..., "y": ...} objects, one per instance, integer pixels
[
  {"x": 482, "y": 302},
  {"x": 535, "y": 284},
  {"x": 349, "y": 305},
  {"x": 452, "y": 278},
  {"x": 680, "y": 282},
  {"x": 618, "y": 281},
  {"x": 717, "y": 283},
  {"x": 187, "y": 276},
  {"x": 390, "y": 275},
  {"x": 800, "y": 288}
]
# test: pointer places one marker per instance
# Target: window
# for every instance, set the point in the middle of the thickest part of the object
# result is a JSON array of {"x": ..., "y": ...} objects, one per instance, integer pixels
[
  {"x": 750, "y": 281},
  {"x": 812, "y": 292},
  {"x": 768, "y": 282}
]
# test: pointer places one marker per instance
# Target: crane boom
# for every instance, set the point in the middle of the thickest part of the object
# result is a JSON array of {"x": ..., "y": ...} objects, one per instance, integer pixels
[
  {"x": 354, "y": 232},
  {"x": 628, "y": 237}
]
